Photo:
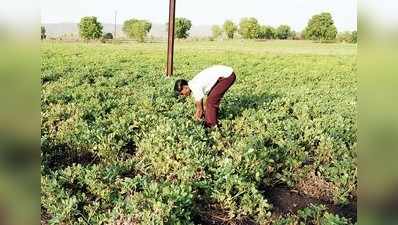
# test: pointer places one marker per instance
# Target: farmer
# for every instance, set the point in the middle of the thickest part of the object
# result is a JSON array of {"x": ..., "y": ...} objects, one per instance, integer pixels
[{"x": 213, "y": 82}]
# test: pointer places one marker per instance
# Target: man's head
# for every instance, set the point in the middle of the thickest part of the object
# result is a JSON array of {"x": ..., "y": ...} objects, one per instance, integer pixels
[{"x": 181, "y": 88}]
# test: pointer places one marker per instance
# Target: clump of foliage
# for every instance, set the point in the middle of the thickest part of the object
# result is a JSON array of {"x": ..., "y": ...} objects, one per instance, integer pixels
[
  {"x": 108, "y": 36},
  {"x": 43, "y": 34},
  {"x": 249, "y": 28},
  {"x": 90, "y": 28},
  {"x": 137, "y": 29},
  {"x": 284, "y": 32},
  {"x": 314, "y": 214},
  {"x": 348, "y": 37},
  {"x": 267, "y": 32},
  {"x": 182, "y": 27},
  {"x": 321, "y": 28},
  {"x": 117, "y": 147},
  {"x": 317, "y": 214},
  {"x": 217, "y": 31},
  {"x": 230, "y": 29},
  {"x": 354, "y": 37}
]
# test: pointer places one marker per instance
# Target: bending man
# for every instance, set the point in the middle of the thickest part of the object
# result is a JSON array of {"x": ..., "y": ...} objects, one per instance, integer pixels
[{"x": 213, "y": 82}]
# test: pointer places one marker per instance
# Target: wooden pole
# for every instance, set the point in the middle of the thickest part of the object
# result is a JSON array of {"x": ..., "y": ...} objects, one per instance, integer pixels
[{"x": 170, "y": 49}]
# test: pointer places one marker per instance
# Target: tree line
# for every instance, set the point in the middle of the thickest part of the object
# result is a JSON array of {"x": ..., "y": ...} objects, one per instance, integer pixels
[
  {"x": 249, "y": 28},
  {"x": 319, "y": 28}
]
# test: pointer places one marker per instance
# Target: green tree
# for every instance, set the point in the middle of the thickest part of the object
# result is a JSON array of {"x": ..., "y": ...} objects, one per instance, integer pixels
[
  {"x": 293, "y": 35},
  {"x": 90, "y": 28},
  {"x": 137, "y": 29},
  {"x": 348, "y": 37},
  {"x": 344, "y": 37},
  {"x": 217, "y": 31},
  {"x": 249, "y": 28},
  {"x": 182, "y": 27},
  {"x": 43, "y": 34},
  {"x": 108, "y": 36},
  {"x": 354, "y": 37},
  {"x": 230, "y": 29},
  {"x": 284, "y": 32},
  {"x": 266, "y": 32},
  {"x": 321, "y": 27}
]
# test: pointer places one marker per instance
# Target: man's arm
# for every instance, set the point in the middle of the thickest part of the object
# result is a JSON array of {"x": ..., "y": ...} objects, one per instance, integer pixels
[
  {"x": 199, "y": 109},
  {"x": 198, "y": 95},
  {"x": 204, "y": 104}
]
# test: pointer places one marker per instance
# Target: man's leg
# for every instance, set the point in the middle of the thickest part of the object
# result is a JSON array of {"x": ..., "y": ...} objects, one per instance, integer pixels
[{"x": 214, "y": 99}]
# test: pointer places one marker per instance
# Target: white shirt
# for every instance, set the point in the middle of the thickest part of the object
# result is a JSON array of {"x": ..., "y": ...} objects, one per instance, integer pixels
[{"x": 202, "y": 83}]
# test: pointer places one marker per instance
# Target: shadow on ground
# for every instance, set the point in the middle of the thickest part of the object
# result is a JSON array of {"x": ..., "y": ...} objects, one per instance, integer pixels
[
  {"x": 287, "y": 201},
  {"x": 61, "y": 156}
]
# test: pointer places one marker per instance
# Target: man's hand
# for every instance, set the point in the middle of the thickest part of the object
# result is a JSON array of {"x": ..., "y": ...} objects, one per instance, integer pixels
[
  {"x": 198, "y": 115},
  {"x": 199, "y": 110}
]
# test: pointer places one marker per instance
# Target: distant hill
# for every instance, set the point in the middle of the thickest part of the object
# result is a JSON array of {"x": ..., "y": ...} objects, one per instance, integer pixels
[{"x": 158, "y": 30}]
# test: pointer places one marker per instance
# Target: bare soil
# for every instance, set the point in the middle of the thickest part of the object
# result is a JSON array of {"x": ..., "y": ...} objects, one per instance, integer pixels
[
  {"x": 287, "y": 201},
  {"x": 63, "y": 156}
]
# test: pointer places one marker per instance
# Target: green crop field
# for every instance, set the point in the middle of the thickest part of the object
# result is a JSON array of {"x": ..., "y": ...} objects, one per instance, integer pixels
[{"x": 118, "y": 148}]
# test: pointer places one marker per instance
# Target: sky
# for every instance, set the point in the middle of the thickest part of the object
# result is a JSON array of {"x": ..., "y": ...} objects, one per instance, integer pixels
[{"x": 294, "y": 13}]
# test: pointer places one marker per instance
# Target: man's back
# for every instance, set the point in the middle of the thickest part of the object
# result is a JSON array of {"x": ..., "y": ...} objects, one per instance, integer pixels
[{"x": 202, "y": 83}]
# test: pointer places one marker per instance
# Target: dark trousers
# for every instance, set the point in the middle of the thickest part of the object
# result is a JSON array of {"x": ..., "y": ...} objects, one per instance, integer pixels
[{"x": 214, "y": 99}]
